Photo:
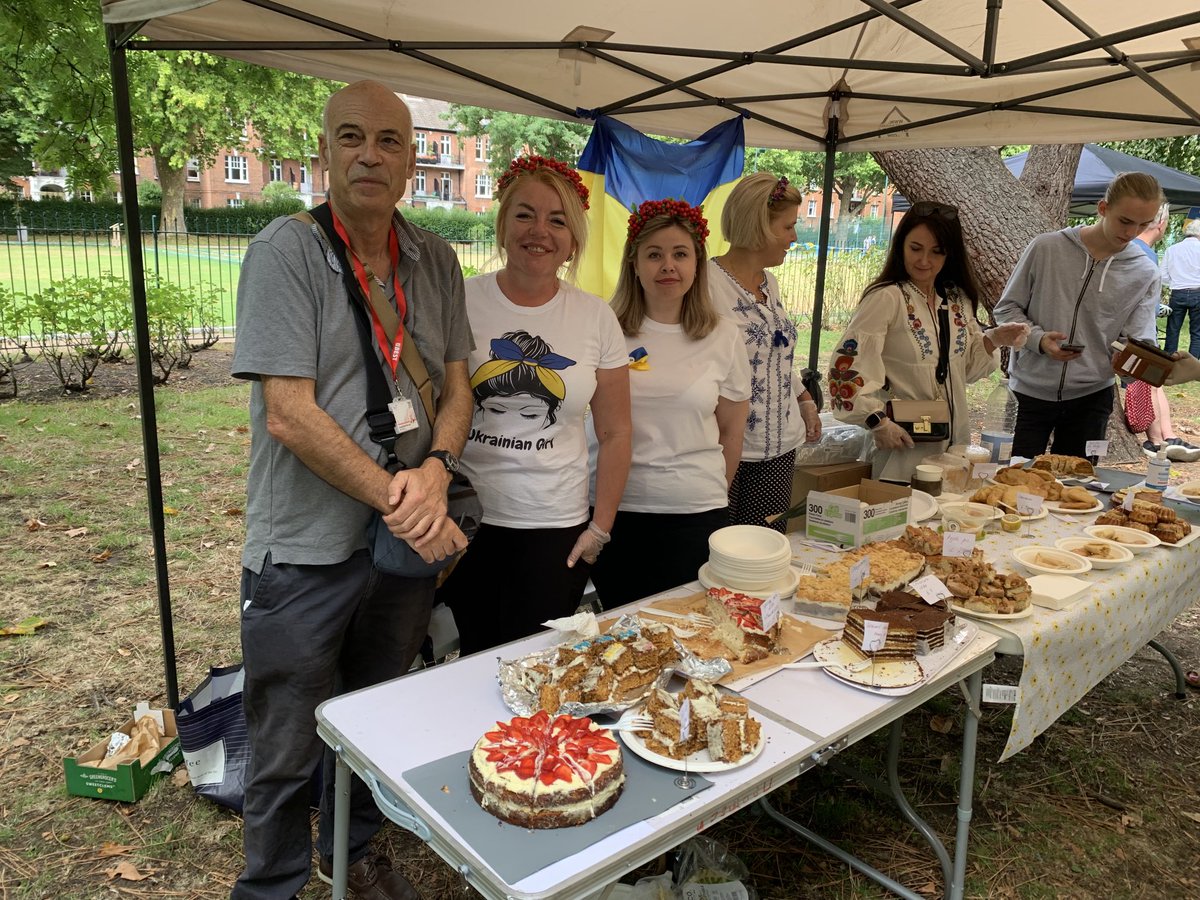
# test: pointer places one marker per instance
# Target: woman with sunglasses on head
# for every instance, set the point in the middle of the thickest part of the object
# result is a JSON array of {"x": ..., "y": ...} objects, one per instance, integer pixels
[
  {"x": 545, "y": 352},
  {"x": 914, "y": 336},
  {"x": 689, "y": 381},
  {"x": 759, "y": 221}
]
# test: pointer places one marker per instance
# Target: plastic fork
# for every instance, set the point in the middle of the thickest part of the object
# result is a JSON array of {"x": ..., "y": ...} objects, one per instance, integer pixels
[
  {"x": 695, "y": 618},
  {"x": 803, "y": 566},
  {"x": 633, "y": 723},
  {"x": 857, "y": 666}
]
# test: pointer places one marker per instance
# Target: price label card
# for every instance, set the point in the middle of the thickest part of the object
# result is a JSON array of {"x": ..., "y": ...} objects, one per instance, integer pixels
[
  {"x": 685, "y": 720},
  {"x": 930, "y": 588},
  {"x": 874, "y": 635},
  {"x": 958, "y": 543},
  {"x": 1028, "y": 504},
  {"x": 986, "y": 470},
  {"x": 1001, "y": 693},
  {"x": 1095, "y": 448},
  {"x": 770, "y": 612},
  {"x": 1127, "y": 503},
  {"x": 860, "y": 572}
]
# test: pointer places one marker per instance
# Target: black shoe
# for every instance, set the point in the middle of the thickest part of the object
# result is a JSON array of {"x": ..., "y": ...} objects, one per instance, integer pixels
[
  {"x": 372, "y": 878},
  {"x": 1150, "y": 448}
]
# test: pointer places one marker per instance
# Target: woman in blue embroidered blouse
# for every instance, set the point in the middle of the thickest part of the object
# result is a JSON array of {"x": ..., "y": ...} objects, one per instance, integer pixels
[
  {"x": 890, "y": 349},
  {"x": 759, "y": 221}
]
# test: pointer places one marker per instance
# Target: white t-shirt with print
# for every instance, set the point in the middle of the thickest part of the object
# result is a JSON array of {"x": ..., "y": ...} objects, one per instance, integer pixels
[
  {"x": 678, "y": 466},
  {"x": 526, "y": 453}
]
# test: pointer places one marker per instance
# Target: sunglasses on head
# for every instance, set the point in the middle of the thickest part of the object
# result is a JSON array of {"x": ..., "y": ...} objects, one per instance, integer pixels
[{"x": 925, "y": 208}]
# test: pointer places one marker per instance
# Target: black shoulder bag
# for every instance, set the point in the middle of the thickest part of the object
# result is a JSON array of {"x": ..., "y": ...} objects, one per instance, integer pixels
[{"x": 389, "y": 553}]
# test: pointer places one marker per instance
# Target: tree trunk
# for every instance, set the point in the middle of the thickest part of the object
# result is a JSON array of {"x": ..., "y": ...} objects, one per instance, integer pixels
[
  {"x": 173, "y": 180},
  {"x": 1049, "y": 175}
]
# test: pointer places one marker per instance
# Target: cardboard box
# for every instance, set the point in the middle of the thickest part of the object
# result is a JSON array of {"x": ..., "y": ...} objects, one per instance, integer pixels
[
  {"x": 125, "y": 782},
  {"x": 823, "y": 478},
  {"x": 859, "y": 514}
]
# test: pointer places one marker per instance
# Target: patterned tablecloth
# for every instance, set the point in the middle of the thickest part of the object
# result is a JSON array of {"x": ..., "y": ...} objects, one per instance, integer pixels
[{"x": 1067, "y": 652}]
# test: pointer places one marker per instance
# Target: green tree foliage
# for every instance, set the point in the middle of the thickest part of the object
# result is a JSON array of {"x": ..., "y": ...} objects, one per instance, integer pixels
[
  {"x": 512, "y": 134},
  {"x": 278, "y": 192},
  {"x": 185, "y": 104},
  {"x": 1181, "y": 153}
]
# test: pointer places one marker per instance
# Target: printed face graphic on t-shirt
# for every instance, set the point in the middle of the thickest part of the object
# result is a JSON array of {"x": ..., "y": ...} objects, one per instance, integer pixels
[{"x": 518, "y": 391}]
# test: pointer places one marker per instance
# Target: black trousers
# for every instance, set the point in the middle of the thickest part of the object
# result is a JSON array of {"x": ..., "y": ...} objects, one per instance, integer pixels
[
  {"x": 510, "y": 581},
  {"x": 1072, "y": 422},
  {"x": 651, "y": 552}
]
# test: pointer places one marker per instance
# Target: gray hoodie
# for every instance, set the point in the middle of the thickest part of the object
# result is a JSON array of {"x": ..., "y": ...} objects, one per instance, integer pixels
[{"x": 1057, "y": 286}]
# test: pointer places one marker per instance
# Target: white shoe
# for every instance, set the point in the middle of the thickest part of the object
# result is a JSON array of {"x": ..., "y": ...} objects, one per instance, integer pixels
[{"x": 1182, "y": 451}]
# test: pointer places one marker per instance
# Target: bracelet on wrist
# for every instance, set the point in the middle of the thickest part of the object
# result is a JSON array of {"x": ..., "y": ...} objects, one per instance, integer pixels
[
  {"x": 599, "y": 533},
  {"x": 808, "y": 400}
]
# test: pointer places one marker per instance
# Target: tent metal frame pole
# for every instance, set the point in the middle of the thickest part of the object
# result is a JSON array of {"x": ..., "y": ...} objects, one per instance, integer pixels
[
  {"x": 1117, "y": 37},
  {"x": 137, "y": 285},
  {"x": 818, "y": 313}
]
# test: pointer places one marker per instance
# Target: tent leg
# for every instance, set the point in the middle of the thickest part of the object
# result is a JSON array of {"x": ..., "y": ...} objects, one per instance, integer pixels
[
  {"x": 137, "y": 284},
  {"x": 831, "y": 139}
]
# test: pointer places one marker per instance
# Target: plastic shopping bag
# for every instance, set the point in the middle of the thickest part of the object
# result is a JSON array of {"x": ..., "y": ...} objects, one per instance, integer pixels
[{"x": 212, "y": 735}]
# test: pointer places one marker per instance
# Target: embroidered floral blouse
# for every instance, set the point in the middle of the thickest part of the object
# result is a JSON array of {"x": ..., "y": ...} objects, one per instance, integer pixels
[
  {"x": 773, "y": 426},
  {"x": 889, "y": 351}
]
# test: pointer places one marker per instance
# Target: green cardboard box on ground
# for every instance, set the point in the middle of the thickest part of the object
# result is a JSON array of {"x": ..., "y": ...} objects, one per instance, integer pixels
[
  {"x": 823, "y": 478},
  {"x": 858, "y": 514},
  {"x": 128, "y": 781}
]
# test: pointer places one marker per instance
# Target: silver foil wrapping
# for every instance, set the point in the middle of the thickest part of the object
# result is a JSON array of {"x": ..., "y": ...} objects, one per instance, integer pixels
[{"x": 521, "y": 697}]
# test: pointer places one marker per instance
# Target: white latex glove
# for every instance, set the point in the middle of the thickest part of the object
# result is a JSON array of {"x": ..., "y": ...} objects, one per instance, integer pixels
[
  {"x": 1014, "y": 335},
  {"x": 1186, "y": 368},
  {"x": 890, "y": 436},
  {"x": 588, "y": 545}
]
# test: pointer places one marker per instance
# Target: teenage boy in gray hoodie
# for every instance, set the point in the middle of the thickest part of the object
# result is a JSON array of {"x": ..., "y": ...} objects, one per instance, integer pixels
[{"x": 1079, "y": 289}]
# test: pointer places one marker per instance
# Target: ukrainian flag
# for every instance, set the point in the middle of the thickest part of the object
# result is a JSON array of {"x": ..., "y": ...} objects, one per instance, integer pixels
[{"x": 623, "y": 167}]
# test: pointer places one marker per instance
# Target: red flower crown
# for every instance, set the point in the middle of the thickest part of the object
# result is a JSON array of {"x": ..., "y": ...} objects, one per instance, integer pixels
[
  {"x": 675, "y": 209},
  {"x": 778, "y": 192},
  {"x": 524, "y": 164}
]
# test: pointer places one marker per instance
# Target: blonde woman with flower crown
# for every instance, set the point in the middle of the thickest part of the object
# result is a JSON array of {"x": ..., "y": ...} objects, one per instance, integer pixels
[
  {"x": 689, "y": 381},
  {"x": 545, "y": 351},
  {"x": 759, "y": 221}
]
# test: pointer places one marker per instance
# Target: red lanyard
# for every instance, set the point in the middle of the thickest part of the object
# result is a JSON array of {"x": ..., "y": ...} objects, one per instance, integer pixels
[{"x": 391, "y": 349}]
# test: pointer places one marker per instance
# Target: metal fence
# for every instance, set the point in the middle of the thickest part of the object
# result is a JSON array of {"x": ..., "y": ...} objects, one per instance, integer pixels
[{"x": 32, "y": 257}]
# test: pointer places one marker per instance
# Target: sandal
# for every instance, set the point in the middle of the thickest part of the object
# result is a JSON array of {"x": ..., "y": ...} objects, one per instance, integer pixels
[{"x": 1193, "y": 679}]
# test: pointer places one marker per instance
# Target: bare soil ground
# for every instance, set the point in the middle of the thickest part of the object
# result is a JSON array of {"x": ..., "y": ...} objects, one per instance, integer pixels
[{"x": 1106, "y": 803}]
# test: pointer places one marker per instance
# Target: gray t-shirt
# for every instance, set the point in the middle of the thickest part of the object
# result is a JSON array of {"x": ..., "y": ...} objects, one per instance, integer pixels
[{"x": 294, "y": 319}]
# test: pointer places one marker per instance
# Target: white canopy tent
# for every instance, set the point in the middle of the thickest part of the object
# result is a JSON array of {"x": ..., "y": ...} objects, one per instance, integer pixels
[{"x": 810, "y": 74}]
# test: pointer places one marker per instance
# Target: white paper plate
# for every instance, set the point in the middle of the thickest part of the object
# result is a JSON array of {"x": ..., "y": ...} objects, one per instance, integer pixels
[
  {"x": 699, "y": 761},
  {"x": 958, "y": 506},
  {"x": 922, "y": 506},
  {"x": 1144, "y": 540},
  {"x": 1124, "y": 554},
  {"x": 1026, "y": 556},
  {"x": 993, "y": 617},
  {"x": 1054, "y": 506},
  {"x": 834, "y": 654},
  {"x": 785, "y": 586}
]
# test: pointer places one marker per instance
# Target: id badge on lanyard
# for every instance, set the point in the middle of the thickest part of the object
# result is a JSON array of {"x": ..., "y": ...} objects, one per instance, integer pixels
[{"x": 404, "y": 412}]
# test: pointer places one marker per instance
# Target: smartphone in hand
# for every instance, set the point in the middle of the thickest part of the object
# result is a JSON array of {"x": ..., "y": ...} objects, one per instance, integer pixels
[{"x": 1072, "y": 348}]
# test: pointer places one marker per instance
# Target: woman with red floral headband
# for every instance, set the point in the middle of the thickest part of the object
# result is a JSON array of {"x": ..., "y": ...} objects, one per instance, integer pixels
[
  {"x": 759, "y": 221},
  {"x": 689, "y": 381},
  {"x": 544, "y": 352}
]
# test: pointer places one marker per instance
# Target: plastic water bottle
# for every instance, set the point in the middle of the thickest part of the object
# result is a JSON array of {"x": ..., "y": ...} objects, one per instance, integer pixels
[
  {"x": 999, "y": 422},
  {"x": 1158, "y": 472}
]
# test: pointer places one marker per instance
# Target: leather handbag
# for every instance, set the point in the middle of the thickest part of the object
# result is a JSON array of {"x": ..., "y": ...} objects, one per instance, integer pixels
[{"x": 925, "y": 421}]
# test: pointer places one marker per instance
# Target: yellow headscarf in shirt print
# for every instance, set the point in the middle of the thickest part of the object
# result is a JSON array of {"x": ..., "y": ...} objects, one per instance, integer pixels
[{"x": 501, "y": 374}]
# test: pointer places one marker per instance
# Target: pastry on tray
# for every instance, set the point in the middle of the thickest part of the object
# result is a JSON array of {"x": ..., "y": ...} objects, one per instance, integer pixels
[
  {"x": 719, "y": 723},
  {"x": 1059, "y": 464}
]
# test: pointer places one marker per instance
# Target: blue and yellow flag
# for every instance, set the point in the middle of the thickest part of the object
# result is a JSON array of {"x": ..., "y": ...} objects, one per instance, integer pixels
[{"x": 623, "y": 167}]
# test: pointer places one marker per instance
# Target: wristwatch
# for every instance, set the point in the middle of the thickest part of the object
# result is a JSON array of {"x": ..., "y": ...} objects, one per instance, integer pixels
[
  {"x": 874, "y": 420},
  {"x": 446, "y": 458}
]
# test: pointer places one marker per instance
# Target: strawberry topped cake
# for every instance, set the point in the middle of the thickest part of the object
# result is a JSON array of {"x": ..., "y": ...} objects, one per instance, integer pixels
[{"x": 543, "y": 772}]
